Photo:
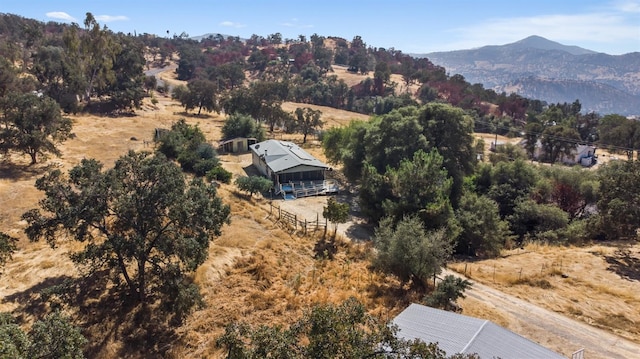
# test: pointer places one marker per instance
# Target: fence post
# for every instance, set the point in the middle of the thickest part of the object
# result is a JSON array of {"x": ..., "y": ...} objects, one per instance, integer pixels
[
  {"x": 295, "y": 221},
  {"x": 325, "y": 226}
]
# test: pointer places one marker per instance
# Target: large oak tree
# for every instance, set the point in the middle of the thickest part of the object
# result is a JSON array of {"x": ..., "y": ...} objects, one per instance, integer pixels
[{"x": 140, "y": 221}]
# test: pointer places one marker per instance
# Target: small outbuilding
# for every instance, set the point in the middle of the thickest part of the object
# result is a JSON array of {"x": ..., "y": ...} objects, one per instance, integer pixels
[
  {"x": 461, "y": 334},
  {"x": 236, "y": 145}
]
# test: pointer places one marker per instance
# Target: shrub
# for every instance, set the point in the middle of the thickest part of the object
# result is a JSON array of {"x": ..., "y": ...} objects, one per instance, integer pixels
[
  {"x": 447, "y": 291},
  {"x": 253, "y": 184},
  {"x": 219, "y": 174}
]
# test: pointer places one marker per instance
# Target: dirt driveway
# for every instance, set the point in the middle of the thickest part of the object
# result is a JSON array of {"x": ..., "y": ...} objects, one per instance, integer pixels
[{"x": 553, "y": 330}]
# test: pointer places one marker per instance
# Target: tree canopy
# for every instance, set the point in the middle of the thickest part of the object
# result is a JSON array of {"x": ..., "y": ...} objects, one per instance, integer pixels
[
  {"x": 328, "y": 331},
  {"x": 253, "y": 184},
  {"x": 410, "y": 252},
  {"x": 7, "y": 248},
  {"x": 32, "y": 125},
  {"x": 242, "y": 125},
  {"x": 336, "y": 212},
  {"x": 139, "y": 220},
  {"x": 52, "y": 337}
]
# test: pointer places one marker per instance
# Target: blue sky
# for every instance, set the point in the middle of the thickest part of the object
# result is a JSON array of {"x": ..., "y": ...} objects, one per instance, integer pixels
[{"x": 412, "y": 26}]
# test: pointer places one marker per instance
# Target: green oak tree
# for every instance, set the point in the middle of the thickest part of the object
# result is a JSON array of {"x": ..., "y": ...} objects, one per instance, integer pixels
[
  {"x": 242, "y": 125},
  {"x": 32, "y": 125},
  {"x": 336, "y": 212},
  {"x": 482, "y": 231},
  {"x": 253, "y": 184},
  {"x": 409, "y": 252},
  {"x": 141, "y": 223},
  {"x": 307, "y": 120},
  {"x": 421, "y": 186},
  {"x": 52, "y": 337},
  {"x": 619, "y": 200},
  {"x": 447, "y": 292}
]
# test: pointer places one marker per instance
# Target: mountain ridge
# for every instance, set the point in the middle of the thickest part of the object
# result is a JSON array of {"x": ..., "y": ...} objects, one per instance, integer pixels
[{"x": 572, "y": 69}]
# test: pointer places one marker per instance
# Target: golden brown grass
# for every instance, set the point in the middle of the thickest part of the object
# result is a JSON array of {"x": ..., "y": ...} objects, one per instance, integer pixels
[
  {"x": 257, "y": 271},
  {"x": 261, "y": 273},
  {"x": 576, "y": 281}
]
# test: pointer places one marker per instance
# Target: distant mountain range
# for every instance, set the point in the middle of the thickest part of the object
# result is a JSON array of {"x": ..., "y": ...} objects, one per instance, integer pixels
[{"x": 546, "y": 70}]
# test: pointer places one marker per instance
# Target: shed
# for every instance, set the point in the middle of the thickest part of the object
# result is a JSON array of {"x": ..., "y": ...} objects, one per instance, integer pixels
[
  {"x": 236, "y": 145},
  {"x": 456, "y": 333}
]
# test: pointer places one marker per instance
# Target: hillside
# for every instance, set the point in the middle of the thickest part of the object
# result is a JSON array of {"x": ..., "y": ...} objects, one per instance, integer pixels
[
  {"x": 576, "y": 73},
  {"x": 260, "y": 273},
  {"x": 259, "y": 270}
]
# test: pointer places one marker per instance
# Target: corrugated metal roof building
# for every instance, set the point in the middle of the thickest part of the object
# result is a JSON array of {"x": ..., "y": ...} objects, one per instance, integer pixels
[
  {"x": 456, "y": 333},
  {"x": 283, "y": 161}
]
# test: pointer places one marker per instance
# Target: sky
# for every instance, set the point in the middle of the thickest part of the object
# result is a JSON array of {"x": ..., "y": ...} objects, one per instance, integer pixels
[{"x": 411, "y": 26}]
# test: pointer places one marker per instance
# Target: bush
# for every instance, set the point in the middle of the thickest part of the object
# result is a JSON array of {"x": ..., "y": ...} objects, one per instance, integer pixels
[
  {"x": 52, "y": 337},
  {"x": 219, "y": 174},
  {"x": 187, "y": 144},
  {"x": 239, "y": 125},
  {"x": 447, "y": 291},
  {"x": 409, "y": 251},
  {"x": 56, "y": 337},
  {"x": 253, "y": 184},
  {"x": 13, "y": 341},
  {"x": 203, "y": 166}
]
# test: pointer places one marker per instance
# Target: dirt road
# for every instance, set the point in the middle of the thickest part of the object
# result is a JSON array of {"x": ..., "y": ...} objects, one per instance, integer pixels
[{"x": 560, "y": 333}]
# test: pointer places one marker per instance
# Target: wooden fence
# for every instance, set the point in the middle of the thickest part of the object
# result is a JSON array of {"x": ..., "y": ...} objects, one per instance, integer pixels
[{"x": 292, "y": 221}]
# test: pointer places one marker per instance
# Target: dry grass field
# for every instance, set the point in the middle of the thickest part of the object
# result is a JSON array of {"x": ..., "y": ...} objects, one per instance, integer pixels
[{"x": 262, "y": 273}]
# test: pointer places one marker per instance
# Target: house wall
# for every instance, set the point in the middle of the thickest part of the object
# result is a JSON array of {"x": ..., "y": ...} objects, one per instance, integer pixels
[{"x": 260, "y": 164}]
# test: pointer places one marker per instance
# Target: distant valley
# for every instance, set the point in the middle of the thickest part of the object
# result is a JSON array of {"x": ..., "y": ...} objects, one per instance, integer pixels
[{"x": 542, "y": 69}]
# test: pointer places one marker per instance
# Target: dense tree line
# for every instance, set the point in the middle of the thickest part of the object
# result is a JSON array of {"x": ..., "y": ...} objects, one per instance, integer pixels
[
  {"x": 76, "y": 65},
  {"x": 421, "y": 162}
]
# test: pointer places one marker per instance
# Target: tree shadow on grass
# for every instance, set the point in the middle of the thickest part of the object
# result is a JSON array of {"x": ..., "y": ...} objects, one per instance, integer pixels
[
  {"x": 194, "y": 115},
  {"x": 624, "y": 264},
  {"x": 19, "y": 172},
  {"x": 106, "y": 314},
  {"x": 325, "y": 248}
]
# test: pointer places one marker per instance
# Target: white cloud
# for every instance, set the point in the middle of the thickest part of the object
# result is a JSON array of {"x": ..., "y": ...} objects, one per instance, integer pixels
[
  {"x": 232, "y": 24},
  {"x": 60, "y": 15},
  {"x": 111, "y": 18},
  {"x": 628, "y": 6},
  {"x": 294, "y": 23}
]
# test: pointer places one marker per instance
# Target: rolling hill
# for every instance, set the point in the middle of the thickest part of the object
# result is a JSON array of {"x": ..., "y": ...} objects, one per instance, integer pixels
[{"x": 539, "y": 68}]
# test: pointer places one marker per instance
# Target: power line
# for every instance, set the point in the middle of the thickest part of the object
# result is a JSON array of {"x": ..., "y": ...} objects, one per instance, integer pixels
[{"x": 559, "y": 138}]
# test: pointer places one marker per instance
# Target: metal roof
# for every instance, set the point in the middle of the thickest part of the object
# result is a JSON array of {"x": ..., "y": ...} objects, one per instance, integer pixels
[
  {"x": 283, "y": 155},
  {"x": 456, "y": 333}
]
